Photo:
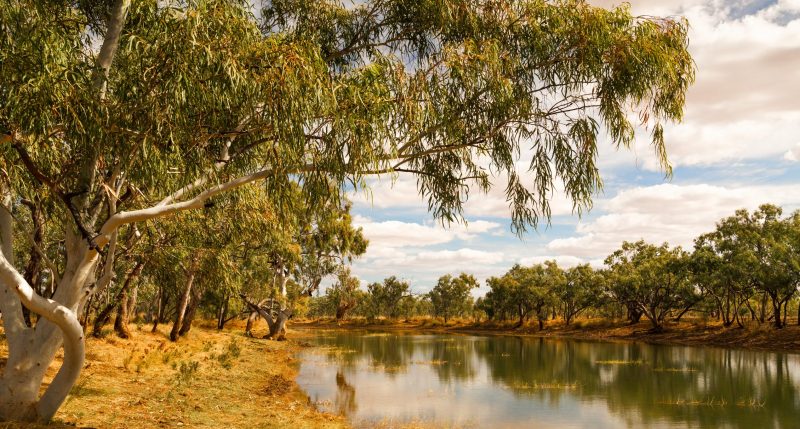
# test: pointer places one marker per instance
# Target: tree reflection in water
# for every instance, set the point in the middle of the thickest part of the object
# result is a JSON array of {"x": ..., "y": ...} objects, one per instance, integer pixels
[
  {"x": 507, "y": 381},
  {"x": 345, "y": 396}
]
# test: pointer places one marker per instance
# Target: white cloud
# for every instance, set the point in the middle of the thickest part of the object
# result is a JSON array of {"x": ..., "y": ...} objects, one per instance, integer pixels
[
  {"x": 563, "y": 261},
  {"x": 672, "y": 213},
  {"x": 394, "y": 234},
  {"x": 792, "y": 154},
  {"x": 402, "y": 193},
  {"x": 744, "y": 104},
  {"x": 404, "y": 249}
]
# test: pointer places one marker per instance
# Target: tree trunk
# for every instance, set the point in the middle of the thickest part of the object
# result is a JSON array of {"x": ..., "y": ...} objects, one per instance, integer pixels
[
  {"x": 343, "y": 308},
  {"x": 31, "y": 350},
  {"x": 121, "y": 321},
  {"x": 277, "y": 325},
  {"x": 102, "y": 318},
  {"x": 222, "y": 313},
  {"x": 634, "y": 314},
  {"x": 683, "y": 312},
  {"x": 33, "y": 268},
  {"x": 180, "y": 311},
  {"x": 776, "y": 309},
  {"x": 132, "y": 303},
  {"x": 277, "y": 329},
  {"x": 253, "y": 318},
  {"x": 186, "y": 326},
  {"x": 127, "y": 303},
  {"x": 104, "y": 315},
  {"x": 251, "y": 321},
  {"x": 521, "y": 317}
]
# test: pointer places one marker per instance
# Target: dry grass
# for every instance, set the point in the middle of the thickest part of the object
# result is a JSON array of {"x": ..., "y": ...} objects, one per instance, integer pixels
[{"x": 210, "y": 379}]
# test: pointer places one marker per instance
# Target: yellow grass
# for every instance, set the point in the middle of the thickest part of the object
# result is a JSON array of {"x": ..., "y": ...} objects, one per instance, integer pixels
[{"x": 199, "y": 382}]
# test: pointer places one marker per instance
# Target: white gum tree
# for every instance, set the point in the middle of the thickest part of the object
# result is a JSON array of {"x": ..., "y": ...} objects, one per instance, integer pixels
[{"x": 130, "y": 111}]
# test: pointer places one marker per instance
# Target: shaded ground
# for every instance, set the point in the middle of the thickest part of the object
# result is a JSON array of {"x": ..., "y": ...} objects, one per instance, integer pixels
[
  {"x": 692, "y": 332},
  {"x": 209, "y": 380}
]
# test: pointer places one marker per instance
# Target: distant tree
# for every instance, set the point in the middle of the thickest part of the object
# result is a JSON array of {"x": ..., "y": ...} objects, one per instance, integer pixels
[
  {"x": 523, "y": 291},
  {"x": 581, "y": 290},
  {"x": 652, "y": 279},
  {"x": 451, "y": 295},
  {"x": 344, "y": 294},
  {"x": 498, "y": 302},
  {"x": 764, "y": 248},
  {"x": 724, "y": 281},
  {"x": 385, "y": 297}
]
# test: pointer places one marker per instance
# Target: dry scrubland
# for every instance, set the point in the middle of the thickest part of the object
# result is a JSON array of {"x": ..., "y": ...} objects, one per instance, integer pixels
[
  {"x": 692, "y": 332},
  {"x": 210, "y": 379}
]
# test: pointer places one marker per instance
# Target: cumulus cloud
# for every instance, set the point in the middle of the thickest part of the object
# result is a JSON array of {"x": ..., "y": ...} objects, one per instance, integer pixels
[
  {"x": 402, "y": 193},
  {"x": 792, "y": 154},
  {"x": 667, "y": 212},
  {"x": 412, "y": 250},
  {"x": 744, "y": 104},
  {"x": 563, "y": 261},
  {"x": 393, "y": 233}
]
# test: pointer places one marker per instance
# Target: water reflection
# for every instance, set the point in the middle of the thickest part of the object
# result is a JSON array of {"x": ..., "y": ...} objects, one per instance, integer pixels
[{"x": 516, "y": 382}]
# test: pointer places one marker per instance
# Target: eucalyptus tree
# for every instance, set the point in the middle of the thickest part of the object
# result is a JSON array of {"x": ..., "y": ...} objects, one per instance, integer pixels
[
  {"x": 497, "y": 303},
  {"x": 385, "y": 297},
  {"x": 177, "y": 103},
  {"x": 716, "y": 269},
  {"x": 304, "y": 242},
  {"x": 653, "y": 279},
  {"x": 537, "y": 286},
  {"x": 344, "y": 295},
  {"x": 582, "y": 289},
  {"x": 451, "y": 295},
  {"x": 523, "y": 291},
  {"x": 763, "y": 246},
  {"x": 328, "y": 241}
]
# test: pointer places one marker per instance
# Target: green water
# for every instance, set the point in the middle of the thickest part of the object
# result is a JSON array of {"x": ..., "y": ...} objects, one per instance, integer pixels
[{"x": 507, "y": 382}]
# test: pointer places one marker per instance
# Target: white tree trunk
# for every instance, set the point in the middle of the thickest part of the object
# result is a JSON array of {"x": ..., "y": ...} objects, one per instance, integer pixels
[{"x": 31, "y": 350}]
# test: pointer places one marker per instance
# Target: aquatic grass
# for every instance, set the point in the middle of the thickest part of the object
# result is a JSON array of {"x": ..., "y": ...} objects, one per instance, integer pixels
[
  {"x": 433, "y": 362},
  {"x": 708, "y": 402},
  {"x": 714, "y": 402},
  {"x": 544, "y": 386},
  {"x": 387, "y": 368},
  {"x": 674, "y": 369},
  {"x": 751, "y": 403},
  {"x": 619, "y": 362}
]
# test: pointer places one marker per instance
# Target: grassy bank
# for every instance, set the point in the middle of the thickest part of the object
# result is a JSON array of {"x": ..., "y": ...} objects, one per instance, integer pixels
[
  {"x": 211, "y": 379},
  {"x": 690, "y": 332}
]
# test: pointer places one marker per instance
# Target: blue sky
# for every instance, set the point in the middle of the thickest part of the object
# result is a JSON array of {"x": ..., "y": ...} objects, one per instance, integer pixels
[{"x": 738, "y": 147}]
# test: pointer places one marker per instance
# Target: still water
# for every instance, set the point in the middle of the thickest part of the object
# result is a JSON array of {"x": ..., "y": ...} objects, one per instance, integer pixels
[{"x": 508, "y": 382}]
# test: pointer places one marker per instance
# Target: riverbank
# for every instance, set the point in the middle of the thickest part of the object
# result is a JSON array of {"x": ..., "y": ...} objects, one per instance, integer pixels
[
  {"x": 688, "y": 333},
  {"x": 211, "y": 379}
]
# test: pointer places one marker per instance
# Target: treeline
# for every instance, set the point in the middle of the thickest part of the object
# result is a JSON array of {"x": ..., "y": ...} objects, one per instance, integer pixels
[{"x": 747, "y": 269}]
